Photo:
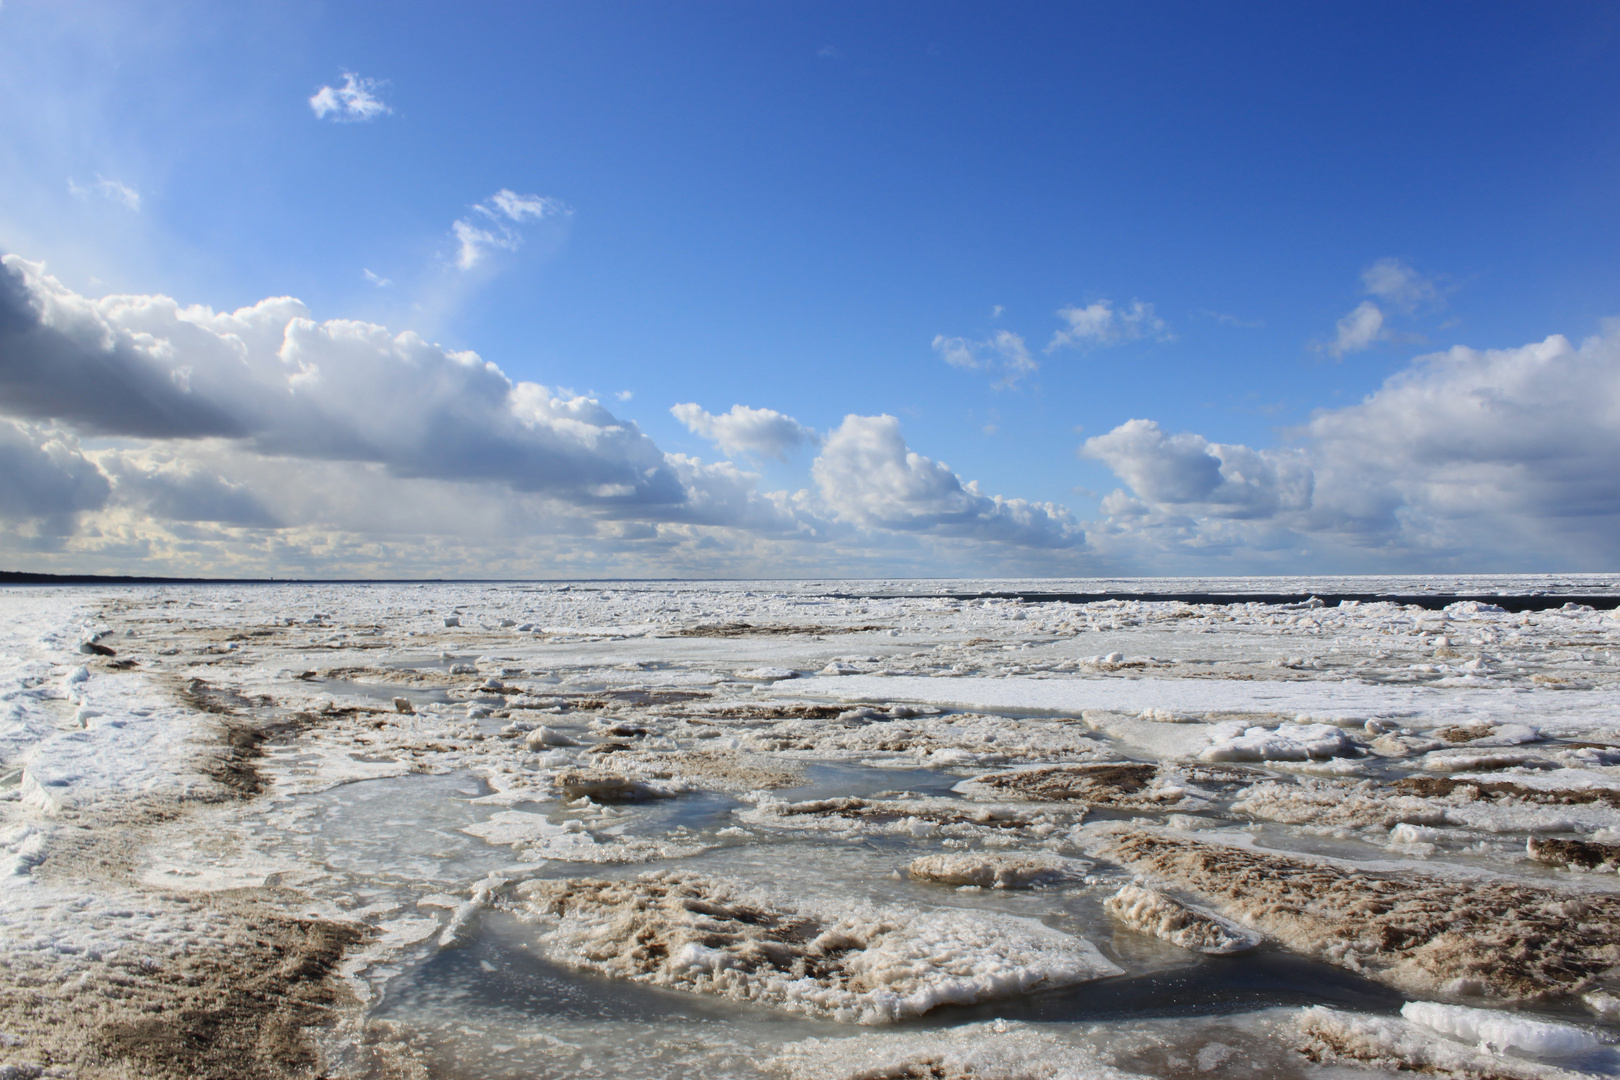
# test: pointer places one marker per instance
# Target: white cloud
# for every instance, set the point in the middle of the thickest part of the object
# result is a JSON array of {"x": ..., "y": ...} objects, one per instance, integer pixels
[
  {"x": 115, "y": 190},
  {"x": 1359, "y": 329},
  {"x": 1100, "y": 325},
  {"x": 869, "y": 477},
  {"x": 492, "y": 224},
  {"x": 271, "y": 378},
  {"x": 355, "y": 101},
  {"x": 262, "y": 440},
  {"x": 1468, "y": 456},
  {"x": 1003, "y": 351},
  {"x": 1233, "y": 320},
  {"x": 760, "y": 432},
  {"x": 1191, "y": 474},
  {"x": 1395, "y": 281},
  {"x": 375, "y": 278},
  {"x": 44, "y": 474}
]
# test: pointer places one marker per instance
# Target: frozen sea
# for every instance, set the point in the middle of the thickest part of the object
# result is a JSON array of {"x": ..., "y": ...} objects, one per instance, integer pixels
[{"x": 820, "y": 829}]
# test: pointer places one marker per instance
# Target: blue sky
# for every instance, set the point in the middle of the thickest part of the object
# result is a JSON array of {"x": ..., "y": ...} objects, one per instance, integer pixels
[{"x": 1254, "y": 215}]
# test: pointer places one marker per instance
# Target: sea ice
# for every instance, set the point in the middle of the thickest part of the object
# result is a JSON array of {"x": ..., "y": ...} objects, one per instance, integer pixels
[{"x": 845, "y": 961}]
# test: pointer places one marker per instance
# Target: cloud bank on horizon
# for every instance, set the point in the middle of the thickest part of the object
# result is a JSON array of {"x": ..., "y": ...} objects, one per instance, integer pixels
[
  {"x": 139, "y": 428},
  {"x": 264, "y": 420}
]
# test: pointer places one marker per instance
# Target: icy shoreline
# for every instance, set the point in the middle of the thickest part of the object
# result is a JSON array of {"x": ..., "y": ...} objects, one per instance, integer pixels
[{"x": 366, "y": 776}]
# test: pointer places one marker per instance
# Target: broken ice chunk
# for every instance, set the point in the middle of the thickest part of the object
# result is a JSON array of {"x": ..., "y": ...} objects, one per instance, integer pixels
[
  {"x": 1287, "y": 742},
  {"x": 1149, "y": 911},
  {"x": 767, "y": 674},
  {"x": 543, "y": 736},
  {"x": 840, "y": 960},
  {"x": 1498, "y": 1031},
  {"x": 990, "y": 871}
]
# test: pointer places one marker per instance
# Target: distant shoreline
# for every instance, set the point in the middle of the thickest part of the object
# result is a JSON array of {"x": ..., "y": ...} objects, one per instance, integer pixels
[{"x": 1428, "y": 601}]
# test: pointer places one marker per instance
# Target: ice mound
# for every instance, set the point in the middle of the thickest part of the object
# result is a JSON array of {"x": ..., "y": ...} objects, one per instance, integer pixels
[
  {"x": 1235, "y": 741},
  {"x": 994, "y": 871},
  {"x": 993, "y": 1051},
  {"x": 1420, "y": 933},
  {"x": 989, "y": 739},
  {"x": 1455, "y": 762},
  {"x": 1335, "y": 802},
  {"x": 843, "y": 961},
  {"x": 767, "y": 674},
  {"x": 602, "y": 786},
  {"x": 1586, "y": 854},
  {"x": 1149, "y": 911},
  {"x": 1497, "y": 1031},
  {"x": 1328, "y": 1036},
  {"x": 1125, "y": 785},
  {"x": 921, "y": 817}
]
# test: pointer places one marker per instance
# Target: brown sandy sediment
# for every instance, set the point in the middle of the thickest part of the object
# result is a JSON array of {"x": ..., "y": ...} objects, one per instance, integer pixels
[
  {"x": 1148, "y": 911},
  {"x": 852, "y": 809},
  {"x": 1586, "y": 854},
  {"x": 743, "y": 629},
  {"x": 1440, "y": 787},
  {"x": 236, "y": 1012},
  {"x": 1500, "y": 939},
  {"x": 1122, "y": 785},
  {"x": 222, "y": 986},
  {"x": 226, "y": 989}
]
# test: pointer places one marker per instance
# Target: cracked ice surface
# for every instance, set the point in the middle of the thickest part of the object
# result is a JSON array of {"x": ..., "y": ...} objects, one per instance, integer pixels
[{"x": 809, "y": 829}]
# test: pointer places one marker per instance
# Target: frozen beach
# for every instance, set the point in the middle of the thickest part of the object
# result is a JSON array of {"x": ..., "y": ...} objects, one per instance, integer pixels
[{"x": 820, "y": 829}]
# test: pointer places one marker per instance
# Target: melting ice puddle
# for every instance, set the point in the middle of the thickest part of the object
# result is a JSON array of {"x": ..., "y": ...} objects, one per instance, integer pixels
[
  {"x": 1207, "y": 986},
  {"x": 402, "y": 830},
  {"x": 496, "y": 1008},
  {"x": 500, "y": 977},
  {"x": 384, "y": 691},
  {"x": 826, "y": 781}
]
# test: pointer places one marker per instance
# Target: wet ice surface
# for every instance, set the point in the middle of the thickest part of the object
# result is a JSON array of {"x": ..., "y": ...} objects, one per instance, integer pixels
[{"x": 810, "y": 829}]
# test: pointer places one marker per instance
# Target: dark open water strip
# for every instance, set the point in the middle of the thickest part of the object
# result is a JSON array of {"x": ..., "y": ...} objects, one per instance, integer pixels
[{"x": 1429, "y": 601}]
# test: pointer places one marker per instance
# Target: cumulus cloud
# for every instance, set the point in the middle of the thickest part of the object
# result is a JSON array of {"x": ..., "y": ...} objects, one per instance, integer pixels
[
  {"x": 355, "y": 101},
  {"x": 1003, "y": 351},
  {"x": 115, "y": 190},
  {"x": 1505, "y": 453},
  {"x": 1358, "y": 330},
  {"x": 216, "y": 428},
  {"x": 262, "y": 440},
  {"x": 492, "y": 225},
  {"x": 276, "y": 380},
  {"x": 868, "y": 476},
  {"x": 1101, "y": 324},
  {"x": 1395, "y": 281},
  {"x": 176, "y": 487},
  {"x": 43, "y": 474},
  {"x": 1192, "y": 474},
  {"x": 759, "y": 432}
]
